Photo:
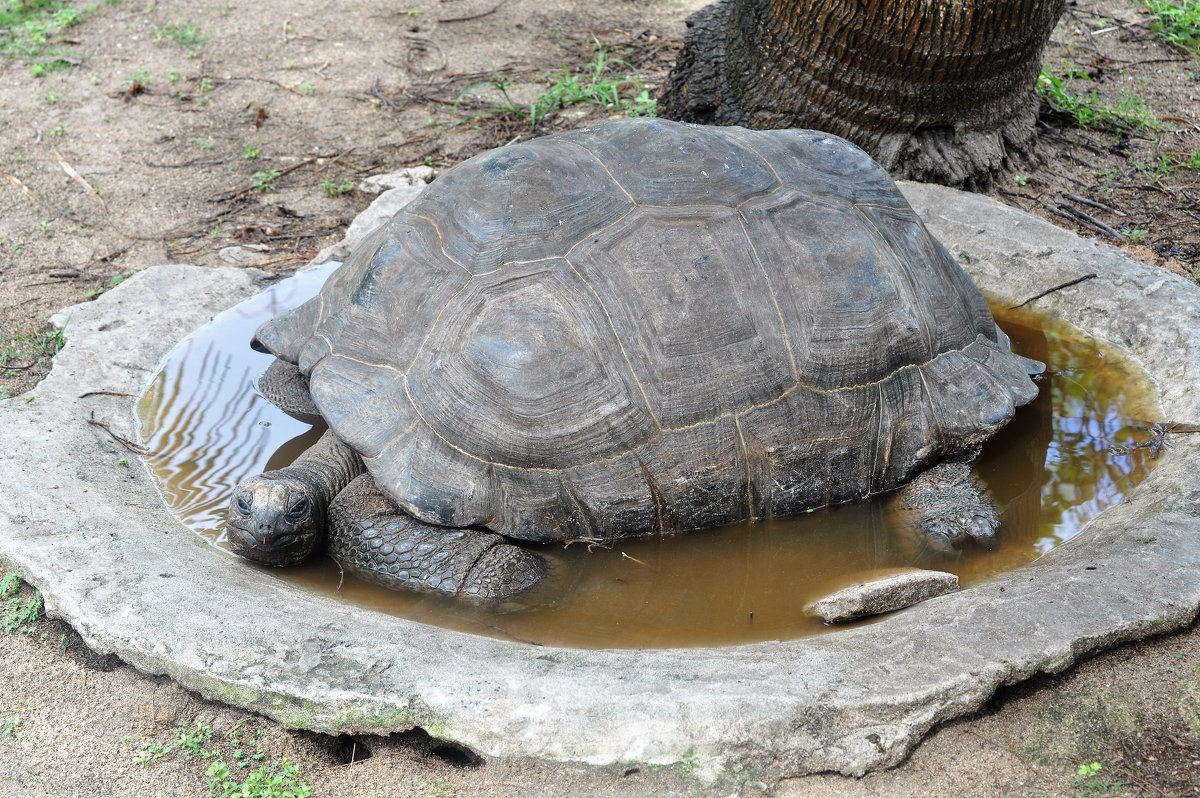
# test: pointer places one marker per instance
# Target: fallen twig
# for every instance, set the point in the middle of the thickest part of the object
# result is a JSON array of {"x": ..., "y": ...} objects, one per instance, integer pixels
[
  {"x": 1090, "y": 220},
  {"x": 1094, "y": 204},
  {"x": 22, "y": 367},
  {"x": 480, "y": 15},
  {"x": 1160, "y": 432},
  {"x": 78, "y": 178},
  {"x": 1077, "y": 218},
  {"x": 283, "y": 86},
  {"x": 185, "y": 164},
  {"x": 1086, "y": 164},
  {"x": 418, "y": 47},
  {"x": 1051, "y": 290},
  {"x": 136, "y": 448},
  {"x": 102, "y": 393},
  {"x": 24, "y": 189}
]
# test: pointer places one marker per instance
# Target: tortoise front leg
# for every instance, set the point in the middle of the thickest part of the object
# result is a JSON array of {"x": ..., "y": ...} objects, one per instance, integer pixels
[{"x": 374, "y": 540}]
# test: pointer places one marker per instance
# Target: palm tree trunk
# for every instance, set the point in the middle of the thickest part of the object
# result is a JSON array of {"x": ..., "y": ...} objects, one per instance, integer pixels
[{"x": 939, "y": 90}]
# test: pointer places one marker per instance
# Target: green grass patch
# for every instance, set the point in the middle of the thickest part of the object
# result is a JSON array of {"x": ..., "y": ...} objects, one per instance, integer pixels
[
  {"x": 1089, "y": 783},
  {"x": 601, "y": 83},
  {"x": 264, "y": 181},
  {"x": 336, "y": 189},
  {"x": 184, "y": 33},
  {"x": 21, "y": 353},
  {"x": 1056, "y": 90},
  {"x": 237, "y": 767},
  {"x": 17, "y": 615},
  {"x": 29, "y": 28},
  {"x": 1177, "y": 22}
]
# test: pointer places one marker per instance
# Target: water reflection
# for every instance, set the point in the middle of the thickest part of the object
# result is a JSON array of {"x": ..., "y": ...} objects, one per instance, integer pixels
[{"x": 1051, "y": 470}]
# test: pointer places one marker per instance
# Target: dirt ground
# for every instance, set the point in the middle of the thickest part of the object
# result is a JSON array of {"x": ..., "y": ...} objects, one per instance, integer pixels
[{"x": 215, "y": 132}]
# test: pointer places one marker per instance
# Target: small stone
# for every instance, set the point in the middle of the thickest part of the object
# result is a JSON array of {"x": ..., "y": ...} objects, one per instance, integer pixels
[
  {"x": 414, "y": 176},
  {"x": 247, "y": 255},
  {"x": 385, "y": 206},
  {"x": 893, "y": 592}
]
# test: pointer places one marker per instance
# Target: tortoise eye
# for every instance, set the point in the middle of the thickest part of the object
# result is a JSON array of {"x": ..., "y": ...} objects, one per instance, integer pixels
[
  {"x": 297, "y": 508},
  {"x": 243, "y": 504}
]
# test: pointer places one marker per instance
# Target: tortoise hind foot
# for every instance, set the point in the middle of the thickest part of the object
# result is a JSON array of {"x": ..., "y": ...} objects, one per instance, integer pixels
[
  {"x": 373, "y": 539},
  {"x": 502, "y": 571},
  {"x": 944, "y": 509}
]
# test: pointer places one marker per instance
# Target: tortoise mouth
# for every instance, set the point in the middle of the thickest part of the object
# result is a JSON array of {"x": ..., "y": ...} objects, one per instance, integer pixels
[{"x": 276, "y": 550}]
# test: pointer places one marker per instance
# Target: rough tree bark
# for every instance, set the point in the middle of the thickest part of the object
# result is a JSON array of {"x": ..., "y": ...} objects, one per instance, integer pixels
[{"x": 935, "y": 90}]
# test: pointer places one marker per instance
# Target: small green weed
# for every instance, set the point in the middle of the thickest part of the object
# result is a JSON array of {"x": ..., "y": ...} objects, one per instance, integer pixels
[
  {"x": 334, "y": 189},
  {"x": 229, "y": 772},
  {"x": 251, "y": 153},
  {"x": 203, "y": 142},
  {"x": 1179, "y": 160},
  {"x": 1090, "y": 784},
  {"x": 1086, "y": 109},
  {"x": 11, "y": 727},
  {"x": 52, "y": 65},
  {"x": 183, "y": 33},
  {"x": 265, "y": 181},
  {"x": 111, "y": 282},
  {"x": 17, "y": 616},
  {"x": 1136, "y": 236},
  {"x": 55, "y": 339},
  {"x": 1177, "y": 22},
  {"x": 1187, "y": 701},
  {"x": 689, "y": 764}
]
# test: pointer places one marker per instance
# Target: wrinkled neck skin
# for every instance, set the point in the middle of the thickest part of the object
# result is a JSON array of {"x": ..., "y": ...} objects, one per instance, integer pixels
[{"x": 277, "y": 518}]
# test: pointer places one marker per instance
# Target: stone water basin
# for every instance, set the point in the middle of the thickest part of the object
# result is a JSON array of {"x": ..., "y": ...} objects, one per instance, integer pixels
[{"x": 94, "y": 535}]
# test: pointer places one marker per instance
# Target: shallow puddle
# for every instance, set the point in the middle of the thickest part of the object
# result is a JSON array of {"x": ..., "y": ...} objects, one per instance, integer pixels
[{"x": 1056, "y": 466}]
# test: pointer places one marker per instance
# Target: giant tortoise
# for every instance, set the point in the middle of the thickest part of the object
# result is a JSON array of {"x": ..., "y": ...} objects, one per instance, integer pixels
[{"x": 641, "y": 328}]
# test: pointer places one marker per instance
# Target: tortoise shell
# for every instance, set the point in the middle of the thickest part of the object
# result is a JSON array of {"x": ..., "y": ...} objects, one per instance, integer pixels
[{"x": 647, "y": 327}]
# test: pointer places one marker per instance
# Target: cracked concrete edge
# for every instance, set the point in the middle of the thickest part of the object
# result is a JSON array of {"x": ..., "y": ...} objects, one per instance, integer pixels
[{"x": 90, "y": 534}]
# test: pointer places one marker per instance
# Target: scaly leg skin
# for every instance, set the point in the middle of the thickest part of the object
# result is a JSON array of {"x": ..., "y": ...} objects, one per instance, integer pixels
[
  {"x": 946, "y": 507},
  {"x": 287, "y": 388},
  {"x": 375, "y": 541}
]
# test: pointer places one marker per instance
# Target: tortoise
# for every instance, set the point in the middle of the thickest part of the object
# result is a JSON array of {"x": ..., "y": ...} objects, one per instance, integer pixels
[{"x": 639, "y": 328}]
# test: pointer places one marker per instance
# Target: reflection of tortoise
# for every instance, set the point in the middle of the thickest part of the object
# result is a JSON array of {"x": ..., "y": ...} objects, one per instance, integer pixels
[{"x": 641, "y": 328}]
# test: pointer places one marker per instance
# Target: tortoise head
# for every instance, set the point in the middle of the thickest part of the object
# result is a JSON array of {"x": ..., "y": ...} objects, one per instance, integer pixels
[{"x": 275, "y": 519}]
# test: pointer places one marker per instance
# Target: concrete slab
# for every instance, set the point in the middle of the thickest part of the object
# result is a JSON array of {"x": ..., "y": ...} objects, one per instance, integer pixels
[{"x": 95, "y": 537}]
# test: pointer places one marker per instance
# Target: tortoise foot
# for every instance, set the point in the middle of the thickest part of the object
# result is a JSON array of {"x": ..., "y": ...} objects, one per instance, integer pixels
[
  {"x": 371, "y": 538},
  {"x": 945, "y": 509}
]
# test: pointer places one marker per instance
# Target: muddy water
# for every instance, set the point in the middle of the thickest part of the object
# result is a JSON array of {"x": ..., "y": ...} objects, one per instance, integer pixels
[{"x": 1056, "y": 466}]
